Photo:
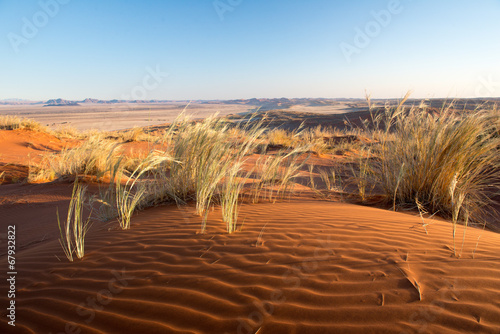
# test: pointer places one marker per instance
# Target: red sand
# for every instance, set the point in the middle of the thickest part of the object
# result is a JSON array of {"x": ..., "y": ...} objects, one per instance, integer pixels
[{"x": 302, "y": 266}]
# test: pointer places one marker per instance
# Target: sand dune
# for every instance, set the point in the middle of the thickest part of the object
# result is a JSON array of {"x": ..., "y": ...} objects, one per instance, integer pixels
[
  {"x": 299, "y": 266},
  {"x": 318, "y": 267}
]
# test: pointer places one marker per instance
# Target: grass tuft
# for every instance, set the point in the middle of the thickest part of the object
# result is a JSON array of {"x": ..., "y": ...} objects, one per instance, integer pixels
[{"x": 74, "y": 229}]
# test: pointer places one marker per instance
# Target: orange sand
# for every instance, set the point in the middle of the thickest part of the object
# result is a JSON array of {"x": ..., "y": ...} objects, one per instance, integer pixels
[{"x": 303, "y": 266}]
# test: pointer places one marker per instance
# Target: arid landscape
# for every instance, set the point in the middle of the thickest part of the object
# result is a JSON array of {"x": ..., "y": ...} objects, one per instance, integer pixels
[
  {"x": 120, "y": 115},
  {"x": 290, "y": 220},
  {"x": 249, "y": 167}
]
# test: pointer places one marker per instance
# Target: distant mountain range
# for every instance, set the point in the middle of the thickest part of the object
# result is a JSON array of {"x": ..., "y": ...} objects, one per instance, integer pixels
[
  {"x": 63, "y": 102},
  {"x": 17, "y": 102},
  {"x": 262, "y": 104},
  {"x": 265, "y": 103}
]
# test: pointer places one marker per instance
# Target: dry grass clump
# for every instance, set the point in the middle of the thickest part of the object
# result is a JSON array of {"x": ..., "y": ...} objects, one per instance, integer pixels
[
  {"x": 281, "y": 137},
  {"x": 229, "y": 195},
  {"x": 315, "y": 139},
  {"x": 13, "y": 123},
  {"x": 129, "y": 189},
  {"x": 362, "y": 172},
  {"x": 331, "y": 180},
  {"x": 203, "y": 155},
  {"x": 130, "y": 196},
  {"x": 92, "y": 157},
  {"x": 67, "y": 131},
  {"x": 202, "y": 163},
  {"x": 447, "y": 161},
  {"x": 320, "y": 140},
  {"x": 276, "y": 174},
  {"x": 74, "y": 228},
  {"x": 136, "y": 134}
]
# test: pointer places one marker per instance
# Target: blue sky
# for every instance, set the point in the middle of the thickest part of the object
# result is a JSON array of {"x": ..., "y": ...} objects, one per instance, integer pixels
[{"x": 228, "y": 49}]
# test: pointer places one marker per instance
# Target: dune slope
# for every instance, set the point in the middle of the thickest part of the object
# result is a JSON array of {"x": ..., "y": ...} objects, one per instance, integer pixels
[{"x": 296, "y": 267}]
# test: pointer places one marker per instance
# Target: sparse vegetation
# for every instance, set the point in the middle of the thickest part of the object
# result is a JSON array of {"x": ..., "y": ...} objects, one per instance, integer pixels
[
  {"x": 447, "y": 160},
  {"x": 13, "y": 123},
  {"x": 130, "y": 195},
  {"x": 74, "y": 228},
  {"x": 92, "y": 157},
  {"x": 442, "y": 162},
  {"x": 276, "y": 173},
  {"x": 437, "y": 162},
  {"x": 229, "y": 196}
]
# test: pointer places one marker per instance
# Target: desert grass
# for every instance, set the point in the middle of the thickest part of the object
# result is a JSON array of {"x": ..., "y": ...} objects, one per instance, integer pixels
[
  {"x": 329, "y": 178},
  {"x": 362, "y": 174},
  {"x": 106, "y": 198},
  {"x": 321, "y": 193},
  {"x": 203, "y": 155},
  {"x": 130, "y": 195},
  {"x": 74, "y": 229},
  {"x": 313, "y": 138},
  {"x": 447, "y": 160},
  {"x": 421, "y": 212},
  {"x": 13, "y": 123},
  {"x": 229, "y": 197},
  {"x": 137, "y": 134},
  {"x": 201, "y": 163},
  {"x": 133, "y": 135},
  {"x": 200, "y": 151},
  {"x": 106, "y": 201},
  {"x": 277, "y": 173},
  {"x": 205, "y": 168},
  {"x": 235, "y": 178},
  {"x": 90, "y": 158},
  {"x": 68, "y": 132},
  {"x": 312, "y": 182},
  {"x": 281, "y": 137}
]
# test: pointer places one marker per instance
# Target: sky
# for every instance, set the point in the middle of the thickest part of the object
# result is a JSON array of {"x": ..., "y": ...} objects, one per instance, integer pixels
[{"x": 230, "y": 49}]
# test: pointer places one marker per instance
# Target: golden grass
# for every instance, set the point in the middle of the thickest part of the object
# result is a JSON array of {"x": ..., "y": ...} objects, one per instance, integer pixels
[
  {"x": 442, "y": 162},
  {"x": 130, "y": 195},
  {"x": 92, "y": 157},
  {"x": 276, "y": 173},
  {"x": 446, "y": 161},
  {"x": 13, "y": 123},
  {"x": 74, "y": 228}
]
